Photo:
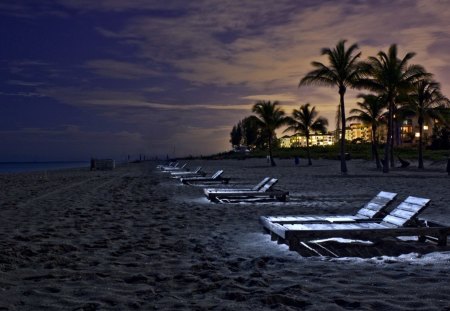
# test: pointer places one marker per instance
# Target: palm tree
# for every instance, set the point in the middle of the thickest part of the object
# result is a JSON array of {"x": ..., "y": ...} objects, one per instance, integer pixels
[
  {"x": 424, "y": 101},
  {"x": 388, "y": 75},
  {"x": 269, "y": 118},
  {"x": 343, "y": 71},
  {"x": 303, "y": 121},
  {"x": 370, "y": 112}
]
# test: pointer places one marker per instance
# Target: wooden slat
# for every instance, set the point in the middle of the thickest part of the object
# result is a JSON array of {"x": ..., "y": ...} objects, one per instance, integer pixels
[
  {"x": 268, "y": 185},
  {"x": 366, "y": 213},
  {"x": 395, "y": 220},
  {"x": 387, "y": 195},
  {"x": 261, "y": 183},
  {"x": 338, "y": 219},
  {"x": 410, "y": 207},
  {"x": 417, "y": 201},
  {"x": 217, "y": 174},
  {"x": 403, "y": 214},
  {"x": 291, "y": 218},
  {"x": 376, "y": 206}
]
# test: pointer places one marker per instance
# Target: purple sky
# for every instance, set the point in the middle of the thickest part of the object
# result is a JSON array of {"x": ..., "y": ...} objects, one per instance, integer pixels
[{"x": 108, "y": 78}]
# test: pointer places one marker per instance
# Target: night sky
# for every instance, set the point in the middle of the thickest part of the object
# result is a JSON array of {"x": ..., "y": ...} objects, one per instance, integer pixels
[{"x": 108, "y": 78}]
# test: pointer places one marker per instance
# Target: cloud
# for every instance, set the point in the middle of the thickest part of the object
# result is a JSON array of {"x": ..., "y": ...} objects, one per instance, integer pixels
[
  {"x": 25, "y": 83},
  {"x": 23, "y": 94},
  {"x": 120, "y": 69},
  {"x": 283, "y": 97}
]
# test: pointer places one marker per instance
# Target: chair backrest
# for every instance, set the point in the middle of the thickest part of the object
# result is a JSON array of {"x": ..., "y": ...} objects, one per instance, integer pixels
[
  {"x": 261, "y": 183},
  {"x": 405, "y": 212},
  {"x": 217, "y": 174},
  {"x": 183, "y": 165},
  {"x": 268, "y": 185},
  {"x": 375, "y": 207},
  {"x": 197, "y": 169}
]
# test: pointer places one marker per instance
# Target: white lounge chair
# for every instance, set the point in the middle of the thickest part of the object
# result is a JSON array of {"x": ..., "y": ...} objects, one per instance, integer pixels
[
  {"x": 375, "y": 208},
  {"x": 402, "y": 221},
  {"x": 265, "y": 191},
  {"x": 216, "y": 177}
]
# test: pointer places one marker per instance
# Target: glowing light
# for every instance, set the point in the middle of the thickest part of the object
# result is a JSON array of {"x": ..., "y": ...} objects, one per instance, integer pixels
[
  {"x": 417, "y": 134},
  {"x": 425, "y": 127}
]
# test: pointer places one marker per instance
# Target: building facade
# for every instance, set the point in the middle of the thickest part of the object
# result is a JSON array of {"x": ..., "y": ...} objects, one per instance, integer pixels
[
  {"x": 297, "y": 140},
  {"x": 406, "y": 133}
]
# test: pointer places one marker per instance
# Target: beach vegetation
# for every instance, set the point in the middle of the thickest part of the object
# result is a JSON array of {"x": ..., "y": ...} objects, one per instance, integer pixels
[
  {"x": 370, "y": 111},
  {"x": 304, "y": 121},
  {"x": 343, "y": 71},
  {"x": 425, "y": 101},
  {"x": 269, "y": 116},
  {"x": 236, "y": 135},
  {"x": 389, "y": 76}
]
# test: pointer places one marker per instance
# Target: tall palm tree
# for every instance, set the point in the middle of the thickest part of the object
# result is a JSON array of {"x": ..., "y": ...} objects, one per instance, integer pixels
[
  {"x": 269, "y": 117},
  {"x": 370, "y": 112},
  {"x": 424, "y": 100},
  {"x": 304, "y": 121},
  {"x": 388, "y": 75},
  {"x": 343, "y": 71}
]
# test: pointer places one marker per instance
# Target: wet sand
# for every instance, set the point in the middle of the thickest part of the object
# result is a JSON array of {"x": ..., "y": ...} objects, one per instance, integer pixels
[{"x": 134, "y": 239}]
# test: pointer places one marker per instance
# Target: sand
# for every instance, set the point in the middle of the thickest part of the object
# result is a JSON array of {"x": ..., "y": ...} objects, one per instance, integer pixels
[{"x": 134, "y": 239}]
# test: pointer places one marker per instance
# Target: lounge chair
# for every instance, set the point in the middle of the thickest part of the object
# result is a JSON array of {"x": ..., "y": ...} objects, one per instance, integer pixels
[
  {"x": 401, "y": 221},
  {"x": 214, "y": 178},
  {"x": 168, "y": 166},
  {"x": 254, "y": 188},
  {"x": 175, "y": 169},
  {"x": 265, "y": 191},
  {"x": 373, "y": 209},
  {"x": 165, "y": 165},
  {"x": 196, "y": 172}
]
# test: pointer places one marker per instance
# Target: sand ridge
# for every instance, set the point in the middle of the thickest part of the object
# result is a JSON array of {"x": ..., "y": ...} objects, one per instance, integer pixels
[{"x": 134, "y": 239}]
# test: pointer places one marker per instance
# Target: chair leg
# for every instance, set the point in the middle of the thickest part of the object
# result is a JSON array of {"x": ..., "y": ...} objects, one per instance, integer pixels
[
  {"x": 442, "y": 239},
  {"x": 294, "y": 244}
]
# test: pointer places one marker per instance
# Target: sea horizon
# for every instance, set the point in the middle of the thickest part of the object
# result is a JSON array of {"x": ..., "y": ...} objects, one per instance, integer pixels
[{"x": 36, "y": 166}]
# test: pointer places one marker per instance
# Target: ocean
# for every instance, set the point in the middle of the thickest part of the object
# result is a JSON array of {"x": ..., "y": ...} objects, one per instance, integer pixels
[{"x": 20, "y": 167}]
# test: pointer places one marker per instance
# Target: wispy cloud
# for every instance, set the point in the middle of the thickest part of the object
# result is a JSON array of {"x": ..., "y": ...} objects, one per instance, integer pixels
[
  {"x": 120, "y": 69},
  {"x": 23, "y": 94}
]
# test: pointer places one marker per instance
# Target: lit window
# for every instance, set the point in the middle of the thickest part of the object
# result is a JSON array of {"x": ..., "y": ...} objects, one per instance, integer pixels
[
  {"x": 417, "y": 134},
  {"x": 425, "y": 127}
]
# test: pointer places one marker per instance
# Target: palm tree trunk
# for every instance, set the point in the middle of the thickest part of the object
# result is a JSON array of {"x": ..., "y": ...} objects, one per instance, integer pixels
[
  {"x": 272, "y": 162},
  {"x": 375, "y": 146},
  {"x": 420, "y": 121},
  {"x": 307, "y": 149},
  {"x": 387, "y": 147},
  {"x": 393, "y": 140},
  {"x": 343, "y": 162}
]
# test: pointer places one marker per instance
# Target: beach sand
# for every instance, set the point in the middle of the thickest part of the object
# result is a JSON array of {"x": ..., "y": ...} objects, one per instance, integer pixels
[{"x": 134, "y": 239}]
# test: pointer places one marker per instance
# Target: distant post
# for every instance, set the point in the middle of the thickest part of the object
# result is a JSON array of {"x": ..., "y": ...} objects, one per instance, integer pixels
[
  {"x": 92, "y": 164},
  {"x": 448, "y": 165}
]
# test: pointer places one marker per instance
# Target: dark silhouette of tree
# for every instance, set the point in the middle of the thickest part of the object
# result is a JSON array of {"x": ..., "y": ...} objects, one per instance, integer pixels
[
  {"x": 424, "y": 101},
  {"x": 236, "y": 135},
  {"x": 441, "y": 137},
  {"x": 370, "y": 112},
  {"x": 343, "y": 71},
  {"x": 388, "y": 75},
  {"x": 250, "y": 132},
  {"x": 269, "y": 117},
  {"x": 304, "y": 121}
]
